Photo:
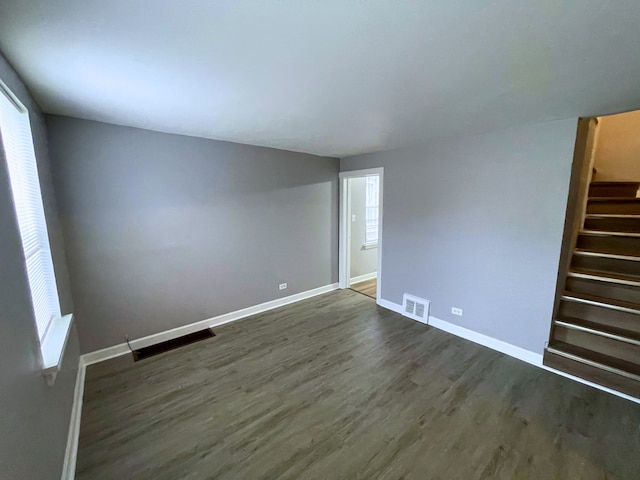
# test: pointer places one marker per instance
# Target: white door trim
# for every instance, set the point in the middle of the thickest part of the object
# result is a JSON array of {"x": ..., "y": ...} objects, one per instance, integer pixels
[{"x": 345, "y": 225}]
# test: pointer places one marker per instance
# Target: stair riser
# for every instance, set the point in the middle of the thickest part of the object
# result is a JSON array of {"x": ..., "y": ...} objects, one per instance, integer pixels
[
  {"x": 600, "y": 315},
  {"x": 624, "y": 190},
  {"x": 596, "y": 343},
  {"x": 604, "y": 289},
  {"x": 626, "y": 207},
  {"x": 611, "y": 265},
  {"x": 593, "y": 374},
  {"x": 610, "y": 244},
  {"x": 613, "y": 224}
]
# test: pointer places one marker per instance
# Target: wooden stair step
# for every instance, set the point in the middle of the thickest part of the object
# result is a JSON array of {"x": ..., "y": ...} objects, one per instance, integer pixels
[
  {"x": 612, "y": 222},
  {"x": 622, "y": 366},
  {"x": 606, "y": 262},
  {"x": 612, "y": 256},
  {"x": 606, "y": 285},
  {"x": 614, "y": 182},
  {"x": 596, "y": 342},
  {"x": 602, "y": 302},
  {"x": 605, "y": 277},
  {"x": 620, "y": 243},
  {"x": 601, "y": 310},
  {"x": 612, "y": 332},
  {"x": 614, "y": 215},
  {"x": 607, "y": 233},
  {"x": 599, "y": 200},
  {"x": 599, "y": 313},
  {"x": 613, "y": 189},
  {"x": 627, "y": 205},
  {"x": 598, "y": 368}
]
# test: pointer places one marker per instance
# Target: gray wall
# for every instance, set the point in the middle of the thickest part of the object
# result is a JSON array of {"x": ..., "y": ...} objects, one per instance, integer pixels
[
  {"x": 34, "y": 418},
  {"x": 476, "y": 223},
  {"x": 363, "y": 260},
  {"x": 166, "y": 230}
]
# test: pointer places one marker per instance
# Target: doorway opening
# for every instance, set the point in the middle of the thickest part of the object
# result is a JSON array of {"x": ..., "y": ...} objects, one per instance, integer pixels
[{"x": 361, "y": 231}]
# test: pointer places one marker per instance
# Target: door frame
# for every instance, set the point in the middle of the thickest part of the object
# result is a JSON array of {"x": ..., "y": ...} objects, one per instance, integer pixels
[{"x": 344, "y": 253}]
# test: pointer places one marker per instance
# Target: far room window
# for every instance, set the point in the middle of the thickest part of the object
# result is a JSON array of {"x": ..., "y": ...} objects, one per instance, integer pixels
[
  {"x": 371, "y": 210},
  {"x": 17, "y": 144}
]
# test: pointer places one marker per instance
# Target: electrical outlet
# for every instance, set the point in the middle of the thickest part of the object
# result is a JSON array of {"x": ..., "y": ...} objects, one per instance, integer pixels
[
  {"x": 282, "y": 286},
  {"x": 456, "y": 311}
]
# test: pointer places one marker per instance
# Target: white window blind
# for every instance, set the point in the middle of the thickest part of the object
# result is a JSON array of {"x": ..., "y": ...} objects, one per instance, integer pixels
[
  {"x": 23, "y": 175},
  {"x": 371, "y": 210}
]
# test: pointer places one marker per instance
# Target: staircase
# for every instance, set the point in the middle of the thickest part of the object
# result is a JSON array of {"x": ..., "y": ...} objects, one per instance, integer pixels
[{"x": 596, "y": 331}]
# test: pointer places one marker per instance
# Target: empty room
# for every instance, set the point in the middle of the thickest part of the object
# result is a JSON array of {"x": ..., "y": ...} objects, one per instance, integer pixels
[{"x": 342, "y": 239}]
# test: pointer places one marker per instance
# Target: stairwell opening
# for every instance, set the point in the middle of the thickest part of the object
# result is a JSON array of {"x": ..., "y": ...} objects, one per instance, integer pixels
[{"x": 595, "y": 329}]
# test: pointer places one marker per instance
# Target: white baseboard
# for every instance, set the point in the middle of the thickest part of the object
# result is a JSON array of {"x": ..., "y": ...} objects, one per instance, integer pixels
[
  {"x": 503, "y": 347},
  {"x": 495, "y": 344},
  {"x": 106, "y": 354},
  {"x": 71, "y": 453},
  {"x": 389, "y": 305},
  {"x": 490, "y": 342},
  {"x": 363, "y": 278},
  {"x": 123, "y": 348}
]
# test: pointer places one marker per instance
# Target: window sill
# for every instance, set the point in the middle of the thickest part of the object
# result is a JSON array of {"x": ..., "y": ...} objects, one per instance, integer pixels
[
  {"x": 53, "y": 346},
  {"x": 368, "y": 246}
]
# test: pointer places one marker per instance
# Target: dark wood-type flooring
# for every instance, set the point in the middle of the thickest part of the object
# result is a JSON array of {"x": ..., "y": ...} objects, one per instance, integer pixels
[
  {"x": 368, "y": 287},
  {"x": 336, "y": 387}
]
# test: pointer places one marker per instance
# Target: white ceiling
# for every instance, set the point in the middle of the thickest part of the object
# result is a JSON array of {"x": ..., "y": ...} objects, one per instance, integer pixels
[{"x": 327, "y": 77}]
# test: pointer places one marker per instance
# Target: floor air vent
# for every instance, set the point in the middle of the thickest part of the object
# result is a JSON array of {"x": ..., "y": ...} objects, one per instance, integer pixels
[
  {"x": 415, "y": 308},
  {"x": 158, "y": 348}
]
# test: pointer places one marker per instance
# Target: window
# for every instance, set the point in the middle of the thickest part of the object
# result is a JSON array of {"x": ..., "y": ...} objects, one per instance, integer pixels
[
  {"x": 15, "y": 133},
  {"x": 371, "y": 210}
]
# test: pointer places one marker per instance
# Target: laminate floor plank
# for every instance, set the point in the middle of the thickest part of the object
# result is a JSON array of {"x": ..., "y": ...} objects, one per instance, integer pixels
[
  {"x": 336, "y": 387},
  {"x": 368, "y": 287}
]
